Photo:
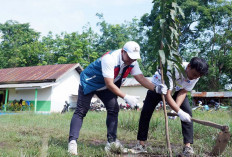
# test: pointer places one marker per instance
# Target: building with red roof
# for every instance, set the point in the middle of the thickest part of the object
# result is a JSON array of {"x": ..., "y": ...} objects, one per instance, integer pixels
[{"x": 47, "y": 87}]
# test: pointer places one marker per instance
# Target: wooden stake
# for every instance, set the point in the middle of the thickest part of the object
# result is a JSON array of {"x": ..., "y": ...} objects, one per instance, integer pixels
[{"x": 165, "y": 114}]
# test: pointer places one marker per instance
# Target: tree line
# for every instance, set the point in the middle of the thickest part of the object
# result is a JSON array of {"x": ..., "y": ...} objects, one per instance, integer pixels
[{"x": 206, "y": 31}]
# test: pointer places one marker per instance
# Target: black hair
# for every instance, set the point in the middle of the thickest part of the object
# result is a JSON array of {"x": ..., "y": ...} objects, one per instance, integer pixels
[{"x": 200, "y": 65}]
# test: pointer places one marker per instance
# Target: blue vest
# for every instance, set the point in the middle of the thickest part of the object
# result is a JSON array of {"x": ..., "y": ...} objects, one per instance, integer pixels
[{"x": 92, "y": 79}]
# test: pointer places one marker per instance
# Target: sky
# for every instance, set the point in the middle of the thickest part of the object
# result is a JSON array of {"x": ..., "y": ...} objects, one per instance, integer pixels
[{"x": 71, "y": 15}]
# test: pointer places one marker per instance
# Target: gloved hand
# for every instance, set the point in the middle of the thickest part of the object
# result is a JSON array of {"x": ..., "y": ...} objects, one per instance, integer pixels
[
  {"x": 184, "y": 116},
  {"x": 131, "y": 100},
  {"x": 161, "y": 89}
]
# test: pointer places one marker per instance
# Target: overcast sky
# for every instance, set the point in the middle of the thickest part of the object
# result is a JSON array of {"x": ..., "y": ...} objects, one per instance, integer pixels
[{"x": 70, "y": 15}]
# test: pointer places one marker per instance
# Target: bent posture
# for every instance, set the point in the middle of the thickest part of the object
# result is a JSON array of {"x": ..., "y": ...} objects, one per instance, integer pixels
[
  {"x": 178, "y": 102},
  {"x": 103, "y": 78}
]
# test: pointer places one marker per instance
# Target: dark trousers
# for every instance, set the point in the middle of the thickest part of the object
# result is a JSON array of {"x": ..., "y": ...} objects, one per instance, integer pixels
[
  {"x": 83, "y": 105},
  {"x": 151, "y": 101}
]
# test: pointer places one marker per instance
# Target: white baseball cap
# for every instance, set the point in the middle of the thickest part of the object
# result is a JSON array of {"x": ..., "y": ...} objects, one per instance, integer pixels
[{"x": 133, "y": 49}]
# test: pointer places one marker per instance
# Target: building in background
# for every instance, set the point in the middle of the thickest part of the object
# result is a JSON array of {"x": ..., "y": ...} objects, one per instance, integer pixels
[{"x": 46, "y": 87}]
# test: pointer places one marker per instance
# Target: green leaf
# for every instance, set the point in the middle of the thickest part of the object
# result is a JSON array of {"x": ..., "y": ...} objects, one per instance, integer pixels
[
  {"x": 162, "y": 21},
  {"x": 178, "y": 58},
  {"x": 162, "y": 56},
  {"x": 174, "y": 5},
  {"x": 174, "y": 32},
  {"x": 181, "y": 11},
  {"x": 170, "y": 64},
  {"x": 173, "y": 14}
]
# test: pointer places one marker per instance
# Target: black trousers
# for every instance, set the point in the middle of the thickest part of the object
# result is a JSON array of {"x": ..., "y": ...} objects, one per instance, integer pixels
[
  {"x": 151, "y": 101},
  {"x": 83, "y": 105}
]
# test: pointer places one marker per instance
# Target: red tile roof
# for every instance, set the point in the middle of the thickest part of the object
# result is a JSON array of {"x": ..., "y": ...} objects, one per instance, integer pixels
[{"x": 46, "y": 73}]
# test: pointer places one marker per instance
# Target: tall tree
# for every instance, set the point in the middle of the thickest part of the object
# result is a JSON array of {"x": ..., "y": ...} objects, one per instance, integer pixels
[
  {"x": 205, "y": 32},
  {"x": 213, "y": 42},
  {"x": 20, "y": 45},
  {"x": 114, "y": 36},
  {"x": 72, "y": 48}
]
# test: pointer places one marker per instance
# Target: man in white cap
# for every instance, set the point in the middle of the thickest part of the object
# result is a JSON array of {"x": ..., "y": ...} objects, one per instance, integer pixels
[{"x": 103, "y": 77}]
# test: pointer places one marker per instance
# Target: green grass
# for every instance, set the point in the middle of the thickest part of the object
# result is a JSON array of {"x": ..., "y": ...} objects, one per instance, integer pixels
[{"x": 29, "y": 135}]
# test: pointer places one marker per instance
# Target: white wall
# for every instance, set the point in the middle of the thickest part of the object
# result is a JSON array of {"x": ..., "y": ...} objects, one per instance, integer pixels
[
  {"x": 29, "y": 94},
  {"x": 134, "y": 90},
  {"x": 65, "y": 87}
]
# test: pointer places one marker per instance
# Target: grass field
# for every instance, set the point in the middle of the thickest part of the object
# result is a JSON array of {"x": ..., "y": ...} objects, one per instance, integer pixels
[{"x": 29, "y": 135}]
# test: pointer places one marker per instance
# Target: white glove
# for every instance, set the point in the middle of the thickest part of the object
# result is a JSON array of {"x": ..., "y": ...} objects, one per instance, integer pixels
[
  {"x": 184, "y": 116},
  {"x": 161, "y": 89},
  {"x": 131, "y": 100}
]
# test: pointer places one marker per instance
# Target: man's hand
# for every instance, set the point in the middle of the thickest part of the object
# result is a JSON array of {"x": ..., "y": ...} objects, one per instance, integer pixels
[
  {"x": 131, "y": 100},
  {"x": 184, "y": 116},
  {"x": 161, "y": 89}
]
